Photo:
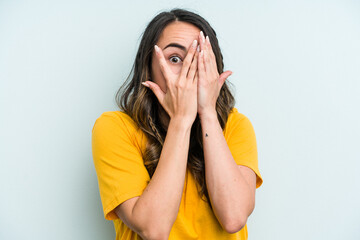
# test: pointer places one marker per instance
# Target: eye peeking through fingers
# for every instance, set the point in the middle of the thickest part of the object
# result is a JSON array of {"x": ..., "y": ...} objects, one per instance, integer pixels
[{"x": 175, "y": 59}]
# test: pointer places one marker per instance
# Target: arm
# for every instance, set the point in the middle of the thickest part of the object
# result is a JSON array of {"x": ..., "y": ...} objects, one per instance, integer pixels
[
  {"x": 153, "y": 213},
  {"x": 231, "y": 187}
]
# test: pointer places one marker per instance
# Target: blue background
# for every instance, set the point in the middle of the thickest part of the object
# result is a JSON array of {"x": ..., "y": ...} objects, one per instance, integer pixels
[{"x": 296, "y": 71}]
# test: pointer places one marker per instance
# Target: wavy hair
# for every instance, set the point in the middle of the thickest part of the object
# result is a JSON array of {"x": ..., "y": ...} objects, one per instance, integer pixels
[{"x": 141, "y": 104}]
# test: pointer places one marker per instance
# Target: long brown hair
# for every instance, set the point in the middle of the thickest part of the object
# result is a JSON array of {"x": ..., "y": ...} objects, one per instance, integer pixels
[{"x": 141, "y": 104}]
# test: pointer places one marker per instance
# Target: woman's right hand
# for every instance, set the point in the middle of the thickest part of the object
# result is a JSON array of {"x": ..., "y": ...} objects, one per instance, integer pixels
[{"x": 180, "y": 99}]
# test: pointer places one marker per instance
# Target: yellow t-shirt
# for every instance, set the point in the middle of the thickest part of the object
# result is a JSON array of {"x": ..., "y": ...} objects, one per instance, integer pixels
[{"x": 117, "y": 145}]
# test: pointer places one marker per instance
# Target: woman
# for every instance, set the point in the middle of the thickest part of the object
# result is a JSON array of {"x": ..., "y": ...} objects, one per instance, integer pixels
[{"x": 178, "y": 161}]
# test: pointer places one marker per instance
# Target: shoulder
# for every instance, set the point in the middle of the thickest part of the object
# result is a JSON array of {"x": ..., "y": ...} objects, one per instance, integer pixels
[
  {"x": 119, "y": 126},
  {"x": 237, "y": 119},
  {"x": 238, "y": 126},
  {"x": 235, "y": 115},
  {"x": 116, "y": 119},
  {"x": 116, "y": 116}
]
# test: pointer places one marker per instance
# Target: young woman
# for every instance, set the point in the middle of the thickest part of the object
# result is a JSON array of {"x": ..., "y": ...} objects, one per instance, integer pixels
[{"x": 178, "y": 161}]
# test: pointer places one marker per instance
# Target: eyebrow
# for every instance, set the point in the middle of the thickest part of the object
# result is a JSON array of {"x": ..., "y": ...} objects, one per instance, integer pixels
[{"x": 176, "y": 45}]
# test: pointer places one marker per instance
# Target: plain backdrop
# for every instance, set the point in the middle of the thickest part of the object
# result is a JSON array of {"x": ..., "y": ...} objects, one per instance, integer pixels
[{"x": 296, "y": 75}]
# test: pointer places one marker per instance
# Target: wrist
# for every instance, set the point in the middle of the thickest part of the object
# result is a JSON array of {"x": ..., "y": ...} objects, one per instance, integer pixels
[
  {"x": 181, "y": 123},
  {"x": 208, "y": 115}
]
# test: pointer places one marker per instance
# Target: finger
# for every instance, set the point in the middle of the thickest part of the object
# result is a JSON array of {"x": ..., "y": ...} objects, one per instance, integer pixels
[
  {"x": 162, "y": 62},
  {"x": 196, "y": 78},
  {"x": 201, "y": 66},
  {"x": 207, "y": 62},
  {"x": 223, "y": 77},
  {"x": 202, "y": 41},
  {"x": 160, "y": 95},
  {"x": 193, "y": 67},
  {"x": 208, "y": 45},
  {"x": 211, "y": 52},
  {"x": 188, "y": 59}
]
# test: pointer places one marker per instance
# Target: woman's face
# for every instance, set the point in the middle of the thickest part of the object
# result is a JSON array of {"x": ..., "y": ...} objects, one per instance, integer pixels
[{"x": 175, "y": 40}]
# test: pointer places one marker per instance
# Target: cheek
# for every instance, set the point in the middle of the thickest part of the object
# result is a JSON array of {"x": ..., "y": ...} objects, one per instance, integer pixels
[{"x": 175, "y": 68}]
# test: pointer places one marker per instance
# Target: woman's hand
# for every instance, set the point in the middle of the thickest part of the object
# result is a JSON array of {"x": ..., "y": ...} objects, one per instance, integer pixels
[
  {"x": 180, "y": 99},
  {"x": 210, "y": 82}
]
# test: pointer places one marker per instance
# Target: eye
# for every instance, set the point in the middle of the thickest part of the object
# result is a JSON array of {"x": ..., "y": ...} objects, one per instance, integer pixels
[{"x": 175, "y": 59}]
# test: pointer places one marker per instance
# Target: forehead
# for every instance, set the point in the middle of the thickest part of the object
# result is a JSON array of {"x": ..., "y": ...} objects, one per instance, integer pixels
[{"x": 178, "y": 32}]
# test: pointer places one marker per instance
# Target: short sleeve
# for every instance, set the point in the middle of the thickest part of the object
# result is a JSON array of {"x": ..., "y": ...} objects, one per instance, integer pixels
[
  {"x": 240, "y": 137},
  {"x": 118, "y": 162}
]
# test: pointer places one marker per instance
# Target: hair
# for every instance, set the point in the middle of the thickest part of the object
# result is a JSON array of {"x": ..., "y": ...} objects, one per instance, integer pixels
[{"x": 141, "y": 104}]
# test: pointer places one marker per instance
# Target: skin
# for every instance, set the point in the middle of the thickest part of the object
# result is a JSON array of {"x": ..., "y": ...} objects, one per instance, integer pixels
[
  {"x": 190, "y": 77},
  {"x": 210, "y": 83},
  {"x": 183, "y": 34}
]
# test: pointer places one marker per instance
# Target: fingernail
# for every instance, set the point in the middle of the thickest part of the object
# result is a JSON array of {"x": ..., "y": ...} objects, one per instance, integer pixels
[
  {"x": 208, "y": 39},
  {"x": 145, "y": 83},
  {"x": 198, "y": 48},
  {"x": 202, "y": 36},
  {"x": 156, "y": 48},
  {"x": 194, "y": 44}
]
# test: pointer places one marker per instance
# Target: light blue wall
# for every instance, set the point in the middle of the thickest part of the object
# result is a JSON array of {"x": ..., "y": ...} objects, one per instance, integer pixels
[{"x": 296, "y": 71}]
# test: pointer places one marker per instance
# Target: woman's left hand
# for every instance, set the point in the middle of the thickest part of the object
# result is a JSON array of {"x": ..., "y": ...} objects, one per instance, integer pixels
[{"x": 209, "y": 80}]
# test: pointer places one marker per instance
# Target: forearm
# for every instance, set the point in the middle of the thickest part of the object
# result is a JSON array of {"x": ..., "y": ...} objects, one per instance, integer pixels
[
  {"x": 229, "y": 192},
  {"x": 159, "y": 204}
]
